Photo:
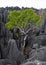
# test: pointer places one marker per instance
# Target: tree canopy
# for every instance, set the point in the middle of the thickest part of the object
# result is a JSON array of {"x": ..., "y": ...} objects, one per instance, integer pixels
[{"x": 22, "y": 18}]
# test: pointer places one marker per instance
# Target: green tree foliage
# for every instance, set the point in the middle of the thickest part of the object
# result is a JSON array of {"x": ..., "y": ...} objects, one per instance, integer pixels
[{"x": 22, "y": 18}]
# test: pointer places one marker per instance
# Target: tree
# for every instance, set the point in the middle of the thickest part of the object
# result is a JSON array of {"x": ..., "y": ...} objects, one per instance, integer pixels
[{"x": 22, "y": 18}]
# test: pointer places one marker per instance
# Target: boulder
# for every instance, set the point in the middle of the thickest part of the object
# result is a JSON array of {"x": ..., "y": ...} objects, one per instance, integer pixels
[
  {"x": 11, "y": 54},
  {"x": 38, "y": 54},
  {"x": 34, "y": 63},
  {"x": 7, "y": 62},
  {"x": 14, "y": 54},
  {"x": 39, "y": 41}
]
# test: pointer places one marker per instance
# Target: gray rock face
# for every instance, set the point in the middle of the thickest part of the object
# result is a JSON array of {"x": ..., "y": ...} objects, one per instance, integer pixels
[
  {"x": 10, "y": 54},
  {"x": 5, "y": 14},
  {"x": 39, "y": 41},
  {"x": 34, "y": 63},
  {"x": 9, "y": 49},
  {"x": 6, "y": 62},
  {"x": 5, "y": 35},
  {"x": 14, "y": 53},
  {"x": 38, "y": 54},
  {"x": 43, "y": 26}
]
